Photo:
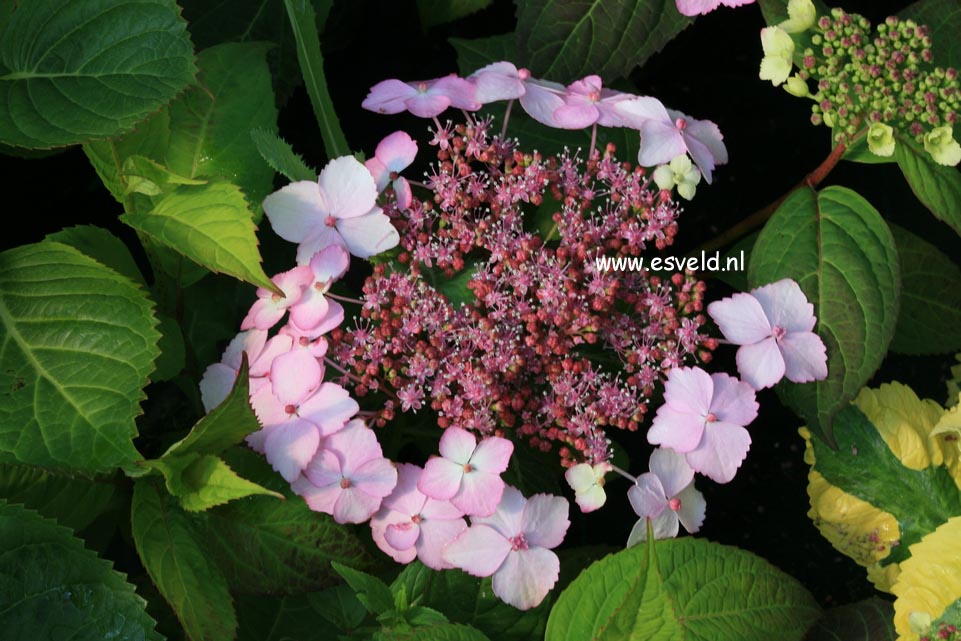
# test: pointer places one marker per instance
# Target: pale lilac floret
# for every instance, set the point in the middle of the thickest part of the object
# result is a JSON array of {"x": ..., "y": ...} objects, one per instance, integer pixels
[
  {"x": 514, "y": 546},
  {"x": 220, "y": 377},
  {"x": 667, "y": 497},
  {"x": 393, "y": 155},
  {"x": 703, "y": 417},
  {"x": 292, "y": 432},
  {"x": 412, "y": 525},
  {"x": 338, "y": 209},
  {"x": 270, "y": 306},
  {"x": 587, "y": 481},
  {"x": 587, "y": 102},
  {"x": 349, "y": 477},
  {"x": 666, "y": 134},
  {"x": 700, "y": 7},
  {"x": 314, "y": 312},
  {"x": 423, "y": 98},
  {"x": 774, "y": 326},
  {"x": 467, "y": 473},
  {"x": 499, "y": 81}
]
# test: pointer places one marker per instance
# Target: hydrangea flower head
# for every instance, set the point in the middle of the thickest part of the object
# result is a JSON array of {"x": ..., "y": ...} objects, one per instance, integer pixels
[
  {"x": 667, "y": 497},
  {"x": 773, "y": 325},
  {"x": 667, "y": 134},
  {"x": 339, "y": 209},
  {"x": 424, "y": 98},
  {"x": 514, "y": 545},
  {"x": 778, "y": 55},
  {"x": 394, "y": 154},
  {"x": 349, "y": 476},
  {"x": 587, "y": 481},
  {"x": 412, "y": 525},
  {"x": 700, "y": 7},
  {"x": 703, "y": 417},
  {"x": 467, "y": 473}
]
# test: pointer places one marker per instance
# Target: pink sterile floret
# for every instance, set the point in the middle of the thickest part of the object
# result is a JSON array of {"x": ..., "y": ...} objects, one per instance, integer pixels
[
  {"x": 700, "y": 7},
  {"x": 349, "y": 477},
  {"x": 703, "y": 417},
  {"x": 666, "y": 134},
  {"x": 587, "y": 481},
  {"x": 514, "y": 545},
  {"x": 314, "y": 312},
  {"x": 667, "y": 497},
  {"x": 412, "y": 525},
  {"x": 773, "y": 324},
  {"x": 339, "y": 209},
  {"x": 394, "y": 154},
  {"x": 270, "y": 307},
  {"x": 219, "y": 378},
  {"x": 292, "y": 432},
  {"x": 423, "y": 98},
  {"x": 586, "y": 102},
  {"x": 467, "y": 473},
  {"x": 503, "y": 81}
]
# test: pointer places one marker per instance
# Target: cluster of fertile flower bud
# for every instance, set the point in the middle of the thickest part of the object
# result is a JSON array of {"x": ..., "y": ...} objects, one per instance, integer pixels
[
  {"x": 515, "y": 358},
  {"x": 867, "y": 85}
]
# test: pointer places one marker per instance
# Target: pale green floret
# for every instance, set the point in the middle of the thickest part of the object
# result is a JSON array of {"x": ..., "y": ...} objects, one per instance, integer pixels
[
  {"x": 680, "y": 173},
  {"x": 942, "y": 146},
  {"x": 778, "y": 55},
  {"x": 797, "y": 86},
  {"x": 920, "y": 622},
  {"x": 801, "y": 16},
  {"x": 881, "y": 139}
]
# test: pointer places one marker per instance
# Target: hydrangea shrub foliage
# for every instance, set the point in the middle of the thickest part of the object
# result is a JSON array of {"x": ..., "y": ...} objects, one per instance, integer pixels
[{"x": 389, "y": 396}]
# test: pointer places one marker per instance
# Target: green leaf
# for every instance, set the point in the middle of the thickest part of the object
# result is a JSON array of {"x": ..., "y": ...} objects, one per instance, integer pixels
[
  {"x": 304, "y": 23},
  {"x": 76, "y": 70},
  {"x": 209, "y": 224},
  {"x": 77, "y": 343},
  {"x": 213, "y": 309},
  {"x": 564, "y": 41},
  {"x": 74, "y": 501},
  {"x": 203, "y": 481},
  {"x": 302, "y": 617},
  {"x": 281, "y": 156},
  {"x": 149, "y": 178},
  {"x": 212, "y": 22},
  {"x": 479, "y": 52},
  {"x": 372, "y": 592},
  {"x": 178, "y": 565},
  {"x": 936, "y": 186},
  {"x": 266, "y": 546},
  {"x": 437, "y": 632},
  {"x": 103, "y": 247},
  {"x": 172, "y": 352},
  {"x": 470, "y": 600},
  {"x": 437, "y": 12},
  {"x": 841, "y": 252},
  {"x": 930, "y": 318},
  {"x": 227, "y": 424},
  {"x": 149, "y": 139},
  {"x": 54, "y": 588},
  {"x": 868, "y": 620},
  {"x": 682, "y": 589},
  {"x": 742, "y": 251},
  {"x": 209, "y": 124},
  {"x": 864, "y": 466}
]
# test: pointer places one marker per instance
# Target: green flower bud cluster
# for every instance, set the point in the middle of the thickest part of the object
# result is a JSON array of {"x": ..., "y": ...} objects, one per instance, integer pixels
[{"x": 886, "y": 79}]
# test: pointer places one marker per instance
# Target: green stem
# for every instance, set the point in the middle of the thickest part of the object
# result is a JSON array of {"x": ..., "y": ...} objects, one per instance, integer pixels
[{"x": 304, "y": 23}]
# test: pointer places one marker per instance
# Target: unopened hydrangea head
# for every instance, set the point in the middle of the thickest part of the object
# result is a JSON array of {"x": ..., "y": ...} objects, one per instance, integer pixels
[
  {"x": 881, "y": 139},
  {"x": 667, "y": 497},
  {"x": 587, "y": 481},
  {"x": 774, "y": 326},
  {"x": 680, "y": 173},
  {"x": 700, "y": 7},
  {"x": 514, "y": 546},
  {"x": 940, "y": 143},
  {"x": 778, "y": 55},
  {"x": 703, "y": 417},
  {"x": 802, "y": 15},
  {"x": 339, "y": 209}
]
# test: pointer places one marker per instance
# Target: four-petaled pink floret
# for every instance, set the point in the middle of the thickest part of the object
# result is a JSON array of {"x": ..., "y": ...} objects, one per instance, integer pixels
[{"x": 667, "y": 497}]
